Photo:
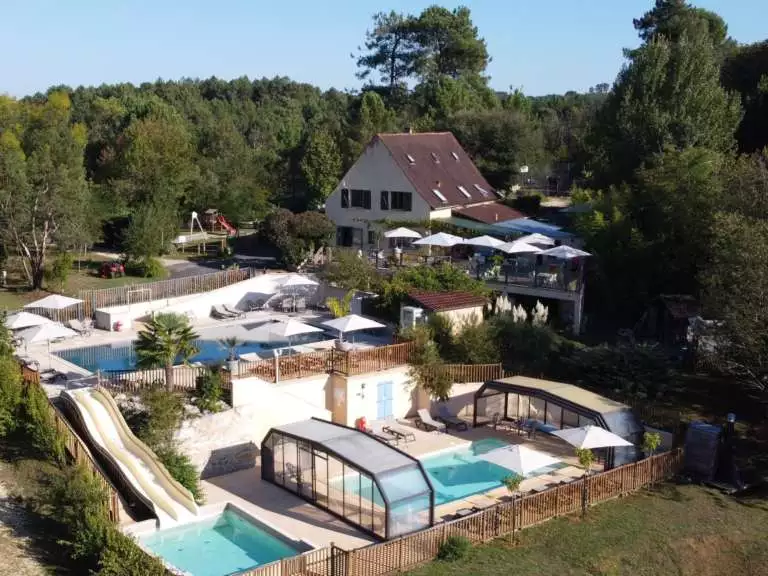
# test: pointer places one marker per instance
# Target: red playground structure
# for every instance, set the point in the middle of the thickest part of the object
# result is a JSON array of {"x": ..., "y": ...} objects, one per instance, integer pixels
[{"x": 215, "y": 222}]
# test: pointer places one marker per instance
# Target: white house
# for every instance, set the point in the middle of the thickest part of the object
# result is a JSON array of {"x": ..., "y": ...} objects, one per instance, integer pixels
[{"x": 410, "y": 177}]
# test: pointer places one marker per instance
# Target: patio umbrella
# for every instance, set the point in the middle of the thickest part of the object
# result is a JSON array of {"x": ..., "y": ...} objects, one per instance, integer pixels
[
  {"x": 519, "y": 247},
  {"x": 402, "y": 233},
  {"x": 46, "y": 333},
  {"x": 294, "y": 283},
  {"x": 484, "y": 242},
  {"x": 564, "y": 252},
  {"x": 289, "y": 328},
  {"x": 591, "y": 437},
  {"x": 520, "y": 459},
  {"x": 537, "y": 238},
  {"x": 25, "y": 320},
  {"x": 352, "y": 323},
  {"x": 54, "y": 302},
  {"x": 440, "y": 239}
]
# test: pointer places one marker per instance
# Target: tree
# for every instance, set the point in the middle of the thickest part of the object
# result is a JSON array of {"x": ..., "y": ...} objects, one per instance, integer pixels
[
  {"x": 321, "y": 166},
  {"x": 166, "y": 338},
  {"x": 373, "y": 117},
  {"x": 391, "y": 50},
  {"x": 745, "y": 71},
  {"x": 475, "y": 343},
  {"x": 427, "y": 370},
  {"x": 672, "y": 19},
  {"x": 340, "y": 307},
  {"x": 348, "y": 271},
  {"x": 43, "y": 191}
]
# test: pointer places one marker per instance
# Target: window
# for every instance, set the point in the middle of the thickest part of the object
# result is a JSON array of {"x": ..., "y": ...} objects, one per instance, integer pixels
[
  {"x": 482, "y": 191},
  {"x": 361, "y": 199},
  {"x": 400, "y": 201},
  {"x": 439, "y": 195},
  {"x": 344, "y": 198},
  {"x": 411, "y": 159},
  {"x": 464, "y": 191},
  {"x": 455, "y": 156},
  {"x": 371, "y": 236},
  {"x": 385, "y": 200},
  {"x": 435, "y": 158}
]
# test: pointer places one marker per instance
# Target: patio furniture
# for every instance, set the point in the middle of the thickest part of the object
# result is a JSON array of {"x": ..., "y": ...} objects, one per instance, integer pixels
[
  {"x": 257, "y": 304},
  {"x": 379, "y": 431},
  {"x": 286, "y": 304},
  {"x": 399, "y": 431},
  {"x": 237, "y": 313},
  {"x": 450, "y": 420},
  {"x": 79, "y": 327},
  {"x": 428, "y": 423},
  {"x": 220, "y": 313},
  {"x": 300, "y": 304}
]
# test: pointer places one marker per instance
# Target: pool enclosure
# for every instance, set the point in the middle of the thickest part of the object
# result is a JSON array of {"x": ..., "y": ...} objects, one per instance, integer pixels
[
  {"x": 362, "y": 480},
  {"x": 551, "y": 406}
]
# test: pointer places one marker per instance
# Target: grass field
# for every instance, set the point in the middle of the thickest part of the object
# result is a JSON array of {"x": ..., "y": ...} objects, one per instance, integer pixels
[{"x": 675, "y": 530}]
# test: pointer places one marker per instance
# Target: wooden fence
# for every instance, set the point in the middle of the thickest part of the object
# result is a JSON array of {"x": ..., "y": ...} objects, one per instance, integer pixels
[
  {"x": 462, "y": 373},
  {"x": 184, "y": 380},
  {"x": 500, "y": 520}
]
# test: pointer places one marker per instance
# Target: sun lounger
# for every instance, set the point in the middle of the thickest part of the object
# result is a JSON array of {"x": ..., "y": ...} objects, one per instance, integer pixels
[
  {"x": 221, "y": 314},
  {"x": 450, "y": 420},
  {"x": 399, "y": 431},
  {"x": 380, "y": 432},
  {"x": 426, "y": 421},
  {"x": 237, "y": 313},
  {"x": 258, "y": 304},
  {"x": 79, "y": 327}
]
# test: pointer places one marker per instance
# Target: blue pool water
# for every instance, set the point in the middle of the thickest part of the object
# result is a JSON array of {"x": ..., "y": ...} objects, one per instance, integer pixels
[
  {"x": 109, "y": 357},
  {"x": 461, "y": 473},
  {"x": 222, "y": 545}
]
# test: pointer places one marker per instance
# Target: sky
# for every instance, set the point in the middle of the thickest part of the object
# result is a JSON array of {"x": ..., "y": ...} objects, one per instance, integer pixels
[{"x": 540, "y": 46}]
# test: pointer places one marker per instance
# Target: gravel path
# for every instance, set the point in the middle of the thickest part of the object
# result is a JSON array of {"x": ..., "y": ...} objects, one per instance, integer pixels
[{"x": 15, "y": 557}]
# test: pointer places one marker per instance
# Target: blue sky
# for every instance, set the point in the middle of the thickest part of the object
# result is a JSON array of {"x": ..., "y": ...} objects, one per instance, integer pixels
[{"x": 543, "y": 46}]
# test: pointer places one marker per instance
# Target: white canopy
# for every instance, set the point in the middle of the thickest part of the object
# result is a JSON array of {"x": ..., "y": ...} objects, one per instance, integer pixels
[
  {"x": 537, "y": 238},
  {"x": 519, "y": 458},
  {"x": 296, "y": 280},
  {"x": 591, "y": 437},
  {"x": 25, "y": 320},
  {"x": 352, "y": 322},
  {"x": 402, "y": 233},
  {"x": 519, "y": 247},
  {"x": 54, "y": 302},
  {"x": 484, "y": 242},
  {"x": 565, "y": 252},
  {"x": 289, "y": 328},
  {"x": 46, "y": 333},
  {"x": 440, "y": 239}
]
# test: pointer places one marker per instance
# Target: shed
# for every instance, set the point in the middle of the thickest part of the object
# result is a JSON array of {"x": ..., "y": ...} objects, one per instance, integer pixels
[{"x": 459, "y": 307}]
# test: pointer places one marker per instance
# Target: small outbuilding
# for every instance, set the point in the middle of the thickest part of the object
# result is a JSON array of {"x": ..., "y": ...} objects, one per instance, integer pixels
[{"x": 458, "y": 307}]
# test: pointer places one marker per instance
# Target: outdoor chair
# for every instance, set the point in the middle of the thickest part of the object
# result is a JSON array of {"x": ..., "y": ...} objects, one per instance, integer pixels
[
  {"x": 450, "y": 420},
  {"x": 220, "y": 313},
  {"x": 428, "y": 423},
  {"x": 286, "y": 305},
  {"x": 257, "y": 304},
  {"x": 79, "y": 327},
  {"x": 399, "y": 431},
  {"x": 378, "y": 430},
  {"x": 237, "y": 313}
]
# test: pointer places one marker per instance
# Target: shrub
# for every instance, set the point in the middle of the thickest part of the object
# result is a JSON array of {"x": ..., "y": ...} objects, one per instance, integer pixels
[
  {"x": 350, "y": 272},
  {"x": 181, "y": 468},
  {"x": 153, "y": 268},
  {"x": 528, "y": 204},
  {"x": 475, "y": 343},
  {"x": 39, "y": 425},
  {"x": 208, "y": 390},
  {"x": 442, "y": 334},
  {"x": 11, "y": 395},
  {"x": 453, "y": 548},
  {"x": 164, "y": 412},
  {"x": 123, "y": 557},
  {"x": 56, "y": 275}
]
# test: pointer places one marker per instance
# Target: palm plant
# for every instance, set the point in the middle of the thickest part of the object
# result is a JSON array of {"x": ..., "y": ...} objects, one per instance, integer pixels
[
  {"x": 340, "y": 307},
  {"x": 166, "y": 338},
  {"x": 231, "y": 345}
]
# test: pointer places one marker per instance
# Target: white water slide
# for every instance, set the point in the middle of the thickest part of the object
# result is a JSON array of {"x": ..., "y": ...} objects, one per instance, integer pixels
[{"x": 140, "y": 467}]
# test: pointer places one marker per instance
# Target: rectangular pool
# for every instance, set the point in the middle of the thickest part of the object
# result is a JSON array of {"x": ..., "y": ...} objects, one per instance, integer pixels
[
  {"x": 461, "y": 473},
  {"x": 222, "y": 545},
  {"x": 121, "y": 357}
]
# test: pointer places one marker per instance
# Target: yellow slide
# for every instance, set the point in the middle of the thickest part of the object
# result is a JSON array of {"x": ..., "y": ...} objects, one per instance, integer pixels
[{"x": 109, "y": 433}]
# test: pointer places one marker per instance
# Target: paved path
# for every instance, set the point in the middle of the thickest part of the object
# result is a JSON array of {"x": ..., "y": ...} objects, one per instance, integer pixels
[{"x": 15, "y": 556}]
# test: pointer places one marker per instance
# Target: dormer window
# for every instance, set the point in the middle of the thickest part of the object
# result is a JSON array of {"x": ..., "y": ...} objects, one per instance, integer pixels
[
  {"x": 439, "y": 195},
  {"x": 411, "y": 159},
  {"x": 483, "y": 192},
  {"x": 435, "y": 158},
  {"x": 455, "y": 156},
  {"x": 464, "y": 191}
]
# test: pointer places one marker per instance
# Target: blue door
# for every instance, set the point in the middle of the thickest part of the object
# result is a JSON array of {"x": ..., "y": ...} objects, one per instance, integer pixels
[{"x": 384, "y": 400}]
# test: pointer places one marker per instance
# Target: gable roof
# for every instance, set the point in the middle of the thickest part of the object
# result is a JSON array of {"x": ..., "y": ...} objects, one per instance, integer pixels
[
  {"x": 442, "y": 301},
  {"x": 437, "y": 165},
  {"x": 490, "y": 213}
]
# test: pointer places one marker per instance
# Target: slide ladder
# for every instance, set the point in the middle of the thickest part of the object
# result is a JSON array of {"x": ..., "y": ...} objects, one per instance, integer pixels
[{"x": 110, "y": 435}]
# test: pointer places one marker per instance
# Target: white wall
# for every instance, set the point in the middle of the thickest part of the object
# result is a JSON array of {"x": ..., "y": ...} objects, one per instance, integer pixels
[
  {"x": 363, "y": 402},
  {"x": 374, "y": 170}
]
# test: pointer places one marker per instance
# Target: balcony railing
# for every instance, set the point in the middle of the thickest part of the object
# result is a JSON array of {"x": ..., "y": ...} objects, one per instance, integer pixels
[{"x": 563, "y": 280}]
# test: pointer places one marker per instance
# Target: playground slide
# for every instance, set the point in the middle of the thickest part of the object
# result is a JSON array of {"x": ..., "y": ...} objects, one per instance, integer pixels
[
  {"x": 226, "y": 225},
  {"x": 109, "y": 433}
]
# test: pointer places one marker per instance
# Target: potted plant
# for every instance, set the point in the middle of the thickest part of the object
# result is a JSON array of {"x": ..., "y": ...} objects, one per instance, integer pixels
[{"x": 231, "y": 345}]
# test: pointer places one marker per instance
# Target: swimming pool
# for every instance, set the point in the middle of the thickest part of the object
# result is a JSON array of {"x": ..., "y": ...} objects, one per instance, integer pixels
[
  {"x": 121, "y": 356},
  {"x": 461, "y": 473},
  {"x": 224, "y": 544}
]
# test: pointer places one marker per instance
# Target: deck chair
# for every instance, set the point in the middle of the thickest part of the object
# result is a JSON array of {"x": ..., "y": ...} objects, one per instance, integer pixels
[
  {"x": 426, "y": 421},
  {"x": 450, "y": 420},
  {"x": 399, "y": 431},
  {"x": 258, "y": 304},
  {"x": 221, "y": 314},
  {"x": 79, "y": 327},
  {"x": 378, "y": 431},
  {"x": 232, "y": 310}
]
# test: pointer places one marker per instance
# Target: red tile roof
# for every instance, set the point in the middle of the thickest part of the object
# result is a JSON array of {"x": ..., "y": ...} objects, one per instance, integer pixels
[
  {"x": 442, "y": 301},
  {"x": 436, "y": 161},
  {"x": 490, "y": 213}
]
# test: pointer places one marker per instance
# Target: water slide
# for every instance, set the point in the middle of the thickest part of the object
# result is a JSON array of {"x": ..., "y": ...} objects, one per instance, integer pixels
[
  {"x": 226, "y": 225},
  {"x": 140, "y": 467}
]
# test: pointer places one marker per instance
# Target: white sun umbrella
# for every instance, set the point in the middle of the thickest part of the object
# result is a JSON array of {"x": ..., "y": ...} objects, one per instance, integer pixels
[
  {"x": 294, "y": 282},
  {"x": 402, "y": 233},
  {"x": 519, "y": 247},
  {"x": 54, "y": 302},
  {"x": 442, "y": 239},
  {"x": 25, "y": 320},
  {"x": 591, "y": 437},
  {"x": 484, "y": 242},
  {"x": 519, "y": 458},
  {"x": 46, "y": 333},
  {"x": 352, "y": 323},
  {"x": 538, "y": 239},
  {"x": 565, "y": 252}
]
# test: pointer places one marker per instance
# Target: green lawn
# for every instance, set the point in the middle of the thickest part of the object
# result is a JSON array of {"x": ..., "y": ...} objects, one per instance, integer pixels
[{"x": 681, "y": 530}]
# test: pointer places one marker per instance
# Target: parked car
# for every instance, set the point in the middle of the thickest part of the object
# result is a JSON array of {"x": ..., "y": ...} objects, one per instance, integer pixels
[{"x": 112, "y": 270}]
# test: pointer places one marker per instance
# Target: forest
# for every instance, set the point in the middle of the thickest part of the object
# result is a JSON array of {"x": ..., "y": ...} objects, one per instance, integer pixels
[{"x": 670, "y": 156}]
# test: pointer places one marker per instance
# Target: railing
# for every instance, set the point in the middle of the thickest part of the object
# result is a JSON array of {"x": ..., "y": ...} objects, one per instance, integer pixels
[
  {"x": 461, "y": 373},
  {"x": 184, "y": 380},
  {"x": 563, "y": 281},
  {"x": 330, "y": 561}
]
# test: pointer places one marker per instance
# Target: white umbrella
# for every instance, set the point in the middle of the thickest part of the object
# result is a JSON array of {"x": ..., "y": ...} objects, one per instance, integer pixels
[
  {"x": 591, "y": 437},
  {"x": 440, "y": 239},
  {"x": 46, "y": 333},
  {"x": 25, "y": 320},
  {"x": 290, "y": 328},
  {"x": 537, "y": 238},
  {"x": 565, "y": 252},
  {"x": 402, "y": 233},
  {"x": 54, "y": 302},
  {"x": 484, "y": 242},
  {"x": 296, "y": 280},
  {"x": 520, "y": 459},
  {"x": 352, "y": 323},
  {"x": 519, "y": 247}
]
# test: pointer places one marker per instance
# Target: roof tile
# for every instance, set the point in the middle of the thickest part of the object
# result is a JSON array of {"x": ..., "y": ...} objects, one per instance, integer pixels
[{"x": 442, "y": 301}]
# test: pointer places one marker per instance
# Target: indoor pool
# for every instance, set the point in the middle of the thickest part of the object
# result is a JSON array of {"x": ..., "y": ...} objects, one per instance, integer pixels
[
  {"x": 225, "y": 544},
  {"x": 111, "y": 357},
  {"x": 460, "y": 473}
]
